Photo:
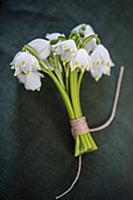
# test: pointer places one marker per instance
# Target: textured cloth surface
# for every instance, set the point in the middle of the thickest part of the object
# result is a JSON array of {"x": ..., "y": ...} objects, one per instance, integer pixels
[{"x": 36, "y": 147}]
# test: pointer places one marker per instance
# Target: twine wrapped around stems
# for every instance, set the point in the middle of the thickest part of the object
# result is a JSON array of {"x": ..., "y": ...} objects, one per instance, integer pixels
[{"x": 79, "y": 126}]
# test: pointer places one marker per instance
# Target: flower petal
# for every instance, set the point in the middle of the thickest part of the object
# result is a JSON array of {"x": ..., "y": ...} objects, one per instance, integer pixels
[
  {"x": 54, "y": 36},
  {"x": 102, "y": 62},
  {"x": 87, "y": 30},
  {"x": 41, "y": 46},
  {"x": 81, "y": 59},
  {"x": 32, "y": 81}
]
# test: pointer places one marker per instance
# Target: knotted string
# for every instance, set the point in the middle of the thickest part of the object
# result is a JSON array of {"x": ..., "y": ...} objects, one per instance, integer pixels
[{"x": 106, "y": 124}]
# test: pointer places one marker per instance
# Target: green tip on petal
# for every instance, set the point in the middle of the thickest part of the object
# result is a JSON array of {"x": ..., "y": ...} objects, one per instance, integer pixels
[{"x": 23, "y": 49}]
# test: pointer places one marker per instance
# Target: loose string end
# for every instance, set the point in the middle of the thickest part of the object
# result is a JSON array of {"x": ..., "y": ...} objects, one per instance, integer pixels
[{"x": 75, "y": 180}]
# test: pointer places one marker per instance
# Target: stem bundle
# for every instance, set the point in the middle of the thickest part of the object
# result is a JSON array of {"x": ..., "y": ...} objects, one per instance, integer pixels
[{"x": 83, "y": 142}]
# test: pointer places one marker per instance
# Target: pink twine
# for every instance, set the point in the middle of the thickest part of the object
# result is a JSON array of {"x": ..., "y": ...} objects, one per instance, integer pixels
[{"x": 79, "y": 126}]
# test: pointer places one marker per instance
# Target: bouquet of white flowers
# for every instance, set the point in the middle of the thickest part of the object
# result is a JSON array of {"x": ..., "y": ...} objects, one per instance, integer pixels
[{"x": 66, "y": 59}]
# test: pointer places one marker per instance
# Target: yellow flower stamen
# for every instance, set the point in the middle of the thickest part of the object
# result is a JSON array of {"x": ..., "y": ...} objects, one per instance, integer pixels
[
  {"x": 23, "y": 63},
  {"x": 65, "y": 47},
  {"x": 28, "y": 72},
  {"x": 73, "y": 51},
  {"x": 87, "y": 67},
  {"x": 98, "y": 63},
  {"x": 76, "y": 63},
  {"x": 96, "y": 77},
  {"x": 107, "y": 64}
]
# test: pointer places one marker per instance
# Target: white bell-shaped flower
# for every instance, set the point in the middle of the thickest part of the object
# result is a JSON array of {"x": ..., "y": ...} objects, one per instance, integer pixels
[
  {"x": 26, "y": 69},
  {"x": 87, "y": 30},
  {"x": 66, "y": 49},
  {"x": 101, "y": 62},
  {"x": 54, "y": 36},
  {"x": 81, "y": 60},
  {"x": 41, "y": 46},
  {"x": 31, "y": 81},
  {"x": 24, "y": 62}
]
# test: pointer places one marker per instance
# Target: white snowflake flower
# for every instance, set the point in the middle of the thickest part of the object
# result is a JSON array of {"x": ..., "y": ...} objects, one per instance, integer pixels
[
  {"x": 41, "y": 46},
  {"x": 101, "y": 62},
  {"x": 81, "y": 60},
  {"x": 66, "y": 49},
  {"x": 31, "y": 81},
  {"x": 26, "y": 69},
  {"x": 87, "y": 30},
  {"x": 24, "y": 62}
]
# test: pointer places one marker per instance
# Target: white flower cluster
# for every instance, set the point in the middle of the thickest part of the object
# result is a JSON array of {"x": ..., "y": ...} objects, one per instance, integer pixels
[{"x": 92, "y": 57}]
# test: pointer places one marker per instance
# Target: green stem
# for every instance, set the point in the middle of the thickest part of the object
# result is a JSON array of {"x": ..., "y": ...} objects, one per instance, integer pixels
[
  {"x": 80, "y": 79},
  {"x": 67, "y": 72},
  {"x": 63, "y": 94},
  {"x": 73, "y": 95},
  {"x": 59, "y": 76},
  {"x": 75, "y": 82},
  {"x": 85, "y": 142},
  {"x": 79, "y": 85},
  {"x": 67, "y": 85}
]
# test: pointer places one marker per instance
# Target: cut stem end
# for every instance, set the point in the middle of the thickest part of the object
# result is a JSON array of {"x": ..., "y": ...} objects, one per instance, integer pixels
[{"x": 84, "y": 143}]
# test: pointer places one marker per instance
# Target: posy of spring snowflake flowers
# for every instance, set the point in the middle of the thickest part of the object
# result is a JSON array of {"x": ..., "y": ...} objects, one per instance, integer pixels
[{"x": 65, "y": 59}]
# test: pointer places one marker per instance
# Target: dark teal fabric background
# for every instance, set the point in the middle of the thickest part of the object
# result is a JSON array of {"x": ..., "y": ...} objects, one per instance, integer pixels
[{"x": 36, "y": 148}]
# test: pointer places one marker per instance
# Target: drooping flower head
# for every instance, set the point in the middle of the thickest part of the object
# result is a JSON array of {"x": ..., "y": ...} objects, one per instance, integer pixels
[
  {"x": 66, "y": 49},
  {"x": 81, "y": 60},
  {"x": 87, "y": 30},
  {"x": 41, "y": 46},
  {"x": 26, "y": 69},
  {"x": 24, "y": 62},
  {"x": 81, "y": 50},
  {"x": 101, "y": 62}
]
